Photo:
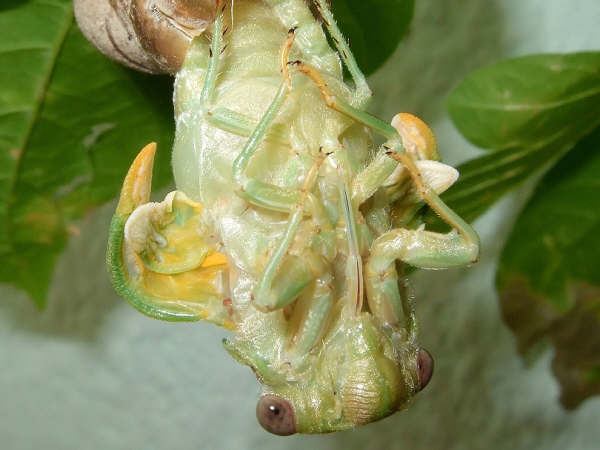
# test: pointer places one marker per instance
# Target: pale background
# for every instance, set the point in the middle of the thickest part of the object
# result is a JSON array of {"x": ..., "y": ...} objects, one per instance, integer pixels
[{"x": 92, "y": 373}]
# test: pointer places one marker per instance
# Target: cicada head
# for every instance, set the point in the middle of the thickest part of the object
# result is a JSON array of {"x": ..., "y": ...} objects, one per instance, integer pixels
[
  {"x": 349, "y": 382},
  {"x": 147, "y": 35}
]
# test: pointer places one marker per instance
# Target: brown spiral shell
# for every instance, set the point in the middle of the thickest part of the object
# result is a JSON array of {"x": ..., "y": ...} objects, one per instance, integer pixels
[{"x": 148, "y": 35}]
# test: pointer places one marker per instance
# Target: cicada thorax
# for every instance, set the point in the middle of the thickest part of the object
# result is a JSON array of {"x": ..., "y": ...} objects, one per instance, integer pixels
[{"x": 305, "y": 128}]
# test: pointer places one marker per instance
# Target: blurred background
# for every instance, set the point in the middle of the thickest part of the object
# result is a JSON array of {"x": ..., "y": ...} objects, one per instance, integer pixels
[{"x": 91, "y": 372}]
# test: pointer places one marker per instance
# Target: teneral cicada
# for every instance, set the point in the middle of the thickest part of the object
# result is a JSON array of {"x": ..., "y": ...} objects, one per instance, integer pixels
[{"x": 289, "y": 226}]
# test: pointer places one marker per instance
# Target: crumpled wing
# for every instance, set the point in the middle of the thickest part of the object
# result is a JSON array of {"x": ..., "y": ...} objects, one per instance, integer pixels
[{"x": 158, "y": 257}]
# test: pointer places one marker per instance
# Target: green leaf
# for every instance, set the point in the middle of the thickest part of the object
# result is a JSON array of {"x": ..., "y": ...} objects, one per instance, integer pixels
[
  {"x": 530, "y": 110},
  {"x": 484, "y": 180},
  {"x": 548, "y": 277},
  {"x": 71, "y": 122},
  {"x": 533, "y": 110},
  {"x": 374, "y": 28},
  {"x": 515, "y": 103}
]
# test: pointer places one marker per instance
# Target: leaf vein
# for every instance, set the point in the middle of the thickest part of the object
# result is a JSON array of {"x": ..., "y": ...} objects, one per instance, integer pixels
[
  {"x": 532, "y": 106},
  {"x": 64, "y": 31}
]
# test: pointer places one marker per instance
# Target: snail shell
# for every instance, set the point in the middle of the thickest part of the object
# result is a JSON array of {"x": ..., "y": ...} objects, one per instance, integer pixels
[{"x": 147, "y": 35}]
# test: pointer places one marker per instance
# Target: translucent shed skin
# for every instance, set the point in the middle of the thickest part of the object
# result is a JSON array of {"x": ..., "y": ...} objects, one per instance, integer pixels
[{"x": 289, "y": 226}]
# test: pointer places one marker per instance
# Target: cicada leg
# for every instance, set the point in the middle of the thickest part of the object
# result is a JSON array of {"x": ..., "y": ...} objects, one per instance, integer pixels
[
  {"x": 312, "y": 308},
  {"x": 420, "y": 248},
  {"x": 202, "y": 102},
  {"x": 215, "y": 52},
  {"x": 306, "y": 277},
  {"x": 252, "y": 190},
  {"x": 285, "y": 276},
  {"x": 362, "y": 92},
  {"x": 311, "y": 37},
  {"x": 157, "y": 258},
  {"x": 295, "y": 13}
]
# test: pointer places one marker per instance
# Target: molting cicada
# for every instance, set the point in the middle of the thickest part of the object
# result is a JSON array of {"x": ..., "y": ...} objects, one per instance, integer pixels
[{"x": 288, "y": 227}]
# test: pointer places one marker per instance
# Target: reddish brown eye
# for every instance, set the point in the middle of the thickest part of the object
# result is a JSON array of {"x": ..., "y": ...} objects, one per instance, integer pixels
[
  {"x": 276, "y": 415},
  {"x": 425, "y": 367}
]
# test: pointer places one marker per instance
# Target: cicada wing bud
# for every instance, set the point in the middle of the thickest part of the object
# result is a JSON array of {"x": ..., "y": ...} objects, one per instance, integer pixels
[
  {"x": 438, "y": 176},
  {"x": 159, "y": 255},
  {"x": 418, "y": 139}
]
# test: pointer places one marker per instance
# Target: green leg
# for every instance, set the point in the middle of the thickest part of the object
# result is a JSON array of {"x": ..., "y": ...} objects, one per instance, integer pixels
[
  {"x": 419, "y": 248},
  {"x": 284, "y": 277},
  {"x": 389, "y": 298},
  {"x": 363, "y": 93},
  {"x": 236, "y": 123},
  {"x": 305, "y": 278},
  {"x": 372, "y": 177},
  {"x": 254, "y": 191},
  {"x": 395, "y": 150},
  {"x": 312, "y": 40},
  {"x": 215, "y": 53},
  {"x": 422, "y": 248},
  {"x": 273, "y": 291},
  {"x": 311, "y": 314},
  {"x": 408, "y": 306},
  {"x": 348, "y": 110}
]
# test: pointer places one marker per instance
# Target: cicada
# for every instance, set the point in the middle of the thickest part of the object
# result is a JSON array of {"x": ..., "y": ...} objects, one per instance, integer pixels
[{"x": 289, "y": 226}]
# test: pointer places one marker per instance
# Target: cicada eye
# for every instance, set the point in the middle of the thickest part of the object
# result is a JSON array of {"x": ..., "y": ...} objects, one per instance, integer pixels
[
  {"x": 276, "y": 415},
  {"x": 425, "y": 367}
]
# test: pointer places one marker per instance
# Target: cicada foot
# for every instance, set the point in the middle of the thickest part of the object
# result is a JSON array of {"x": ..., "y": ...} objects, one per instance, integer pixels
[
  {"x": 362, "y": 92},
  {"x": 158, "y": 255}
]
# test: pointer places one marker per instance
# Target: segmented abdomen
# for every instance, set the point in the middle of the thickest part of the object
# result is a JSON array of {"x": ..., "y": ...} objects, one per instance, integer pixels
[{"x": 360, "y": 393}]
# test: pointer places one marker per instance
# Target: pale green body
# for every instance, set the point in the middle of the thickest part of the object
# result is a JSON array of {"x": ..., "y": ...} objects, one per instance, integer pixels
[
  {"x": 298, "y": 201},
  {"x": 202, "y": 161}
]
